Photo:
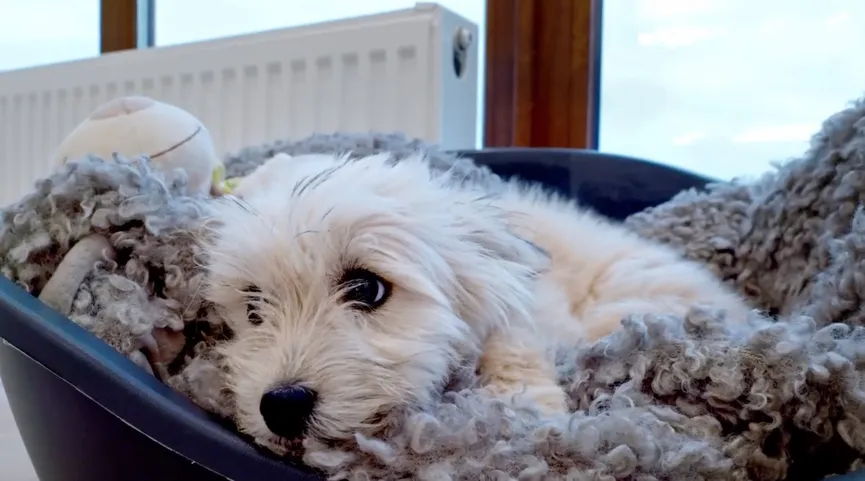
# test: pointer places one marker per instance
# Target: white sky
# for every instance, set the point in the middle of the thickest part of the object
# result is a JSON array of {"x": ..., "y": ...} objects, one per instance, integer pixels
[{"x": 717, "y": 86}]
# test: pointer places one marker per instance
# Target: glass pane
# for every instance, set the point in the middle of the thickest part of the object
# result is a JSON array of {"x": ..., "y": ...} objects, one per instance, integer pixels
[
  {"x": 181, "y": 21},
  {"x": 724, "y": 87},
  {"x": 39, "y": 32}
]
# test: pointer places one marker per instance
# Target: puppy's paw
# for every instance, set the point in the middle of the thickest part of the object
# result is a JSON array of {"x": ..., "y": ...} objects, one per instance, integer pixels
[
  {"x": 519, "y": 372},
  {"x": 549, "y": 398}
]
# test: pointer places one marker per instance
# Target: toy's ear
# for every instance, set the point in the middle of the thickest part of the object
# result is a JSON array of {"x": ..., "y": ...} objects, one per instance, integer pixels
[{"x": 59, "y": 292}]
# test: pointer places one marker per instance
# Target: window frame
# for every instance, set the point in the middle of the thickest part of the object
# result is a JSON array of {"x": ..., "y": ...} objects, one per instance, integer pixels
[
  {"x": 542, "y": 86},
  {"x": 126, "y": 25},
  {"x": 542, "y": 80}
]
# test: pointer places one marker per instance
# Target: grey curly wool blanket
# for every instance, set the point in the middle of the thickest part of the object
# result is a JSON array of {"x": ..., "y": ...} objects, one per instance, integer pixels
[{"x": 664, "y": 398}]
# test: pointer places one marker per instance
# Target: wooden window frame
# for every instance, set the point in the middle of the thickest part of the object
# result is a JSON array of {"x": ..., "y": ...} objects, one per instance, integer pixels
[
  {"x": 542, "y": 80},
  {"x": 542, "y": 73},
  {"x": 126, "y": 24}
]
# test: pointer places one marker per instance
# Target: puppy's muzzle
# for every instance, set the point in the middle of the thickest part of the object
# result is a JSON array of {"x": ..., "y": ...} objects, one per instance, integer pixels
[{"x": 287, "y": 410}]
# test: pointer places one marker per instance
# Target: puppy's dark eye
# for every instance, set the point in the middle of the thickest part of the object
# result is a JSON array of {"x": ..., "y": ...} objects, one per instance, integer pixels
[
  {"x": 364, "y": 289},
  {"x": 253, "y": 299}
]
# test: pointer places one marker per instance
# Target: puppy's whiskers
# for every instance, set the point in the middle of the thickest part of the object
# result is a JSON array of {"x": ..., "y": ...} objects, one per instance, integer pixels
[{"x": 243, "y": 204}]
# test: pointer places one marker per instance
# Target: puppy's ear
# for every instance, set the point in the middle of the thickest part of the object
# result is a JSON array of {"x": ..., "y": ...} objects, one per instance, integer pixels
[
  {"x": 273, "y": 172},
  {"x": 491, "y": 228},
  {"x": 498, "y": 288},
  {"x": 513, "y": 250},
  {"x": 545, "y": 257}
]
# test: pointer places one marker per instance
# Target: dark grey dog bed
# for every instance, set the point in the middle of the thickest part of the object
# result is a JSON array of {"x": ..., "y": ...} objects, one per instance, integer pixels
[{"x": 664, "y": 398}]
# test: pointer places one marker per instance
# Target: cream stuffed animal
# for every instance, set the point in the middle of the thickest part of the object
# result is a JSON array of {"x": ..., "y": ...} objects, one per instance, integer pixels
[{"x": 132, "y": 126}]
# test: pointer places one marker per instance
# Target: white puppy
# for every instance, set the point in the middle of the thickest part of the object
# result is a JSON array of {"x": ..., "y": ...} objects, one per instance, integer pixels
[{"x": 354, "y": 287}]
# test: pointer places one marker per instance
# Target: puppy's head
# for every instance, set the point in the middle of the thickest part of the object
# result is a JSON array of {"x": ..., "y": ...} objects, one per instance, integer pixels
[{"x": 353, "y": 287}]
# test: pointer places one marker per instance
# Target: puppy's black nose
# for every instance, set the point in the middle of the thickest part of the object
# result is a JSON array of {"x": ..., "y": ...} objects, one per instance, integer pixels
[{"x": 286, "y": 410}]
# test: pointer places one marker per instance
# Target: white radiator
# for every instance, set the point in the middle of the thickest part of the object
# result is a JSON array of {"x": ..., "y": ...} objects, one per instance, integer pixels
[{"x": 389, "y": 72}]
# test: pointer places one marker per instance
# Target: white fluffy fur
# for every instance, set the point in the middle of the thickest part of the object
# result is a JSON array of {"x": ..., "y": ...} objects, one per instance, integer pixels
[{"x": 496, "y": 281}]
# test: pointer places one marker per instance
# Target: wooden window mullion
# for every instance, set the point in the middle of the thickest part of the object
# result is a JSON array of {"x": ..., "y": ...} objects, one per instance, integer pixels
[
  {"x": 541, "y": 73},
  {"x": 126, "y": 24}
]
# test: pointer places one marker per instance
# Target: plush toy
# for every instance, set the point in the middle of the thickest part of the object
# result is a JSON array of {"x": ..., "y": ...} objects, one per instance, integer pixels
[{"x": 133, "y": 126}]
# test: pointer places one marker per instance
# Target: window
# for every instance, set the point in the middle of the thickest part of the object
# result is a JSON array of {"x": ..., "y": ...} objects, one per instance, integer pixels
[
  {"x": 724, "y": 87},
  {"x": 40, "y": 32}
]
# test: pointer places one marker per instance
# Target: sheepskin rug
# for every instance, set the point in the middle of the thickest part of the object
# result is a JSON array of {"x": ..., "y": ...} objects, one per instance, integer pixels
[{"x": 664, "y": 398}]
